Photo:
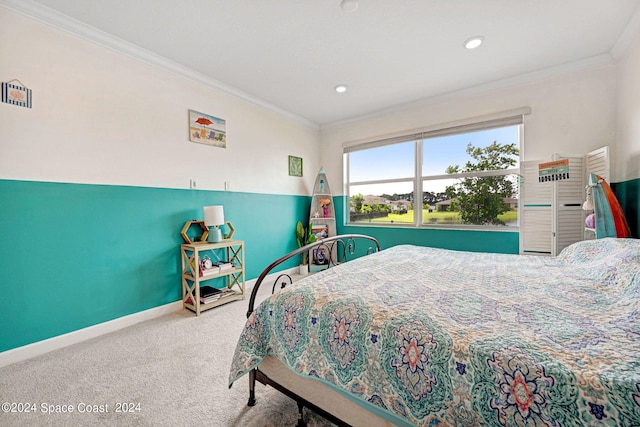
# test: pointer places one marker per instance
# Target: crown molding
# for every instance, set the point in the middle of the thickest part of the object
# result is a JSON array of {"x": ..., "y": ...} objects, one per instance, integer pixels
[
  {"x": 595, "y": 61},
  {"x": 628, "y": 34},
  {"x": 65, "y": 23}
]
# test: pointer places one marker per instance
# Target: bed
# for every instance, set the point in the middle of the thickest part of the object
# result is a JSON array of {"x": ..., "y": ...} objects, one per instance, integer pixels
[{"x": 414, "y": 335}]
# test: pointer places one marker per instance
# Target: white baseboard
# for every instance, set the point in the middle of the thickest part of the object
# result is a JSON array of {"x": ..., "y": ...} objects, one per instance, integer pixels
[
  {"x": 41, "y": 347},
  {"x": 45, "y": 346}
]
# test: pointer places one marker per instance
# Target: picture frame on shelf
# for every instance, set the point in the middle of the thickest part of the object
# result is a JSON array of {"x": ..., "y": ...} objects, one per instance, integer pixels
[
  {"x": 320, "y": 256},
  {"x": 321, "y": 231}
]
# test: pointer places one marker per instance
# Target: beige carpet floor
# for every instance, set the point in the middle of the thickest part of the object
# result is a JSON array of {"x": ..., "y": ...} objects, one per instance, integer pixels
[{"x": 170, "y": 371}]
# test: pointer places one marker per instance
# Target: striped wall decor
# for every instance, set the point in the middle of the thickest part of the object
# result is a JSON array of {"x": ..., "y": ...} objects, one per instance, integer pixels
[{"x": 16, "y": 95}]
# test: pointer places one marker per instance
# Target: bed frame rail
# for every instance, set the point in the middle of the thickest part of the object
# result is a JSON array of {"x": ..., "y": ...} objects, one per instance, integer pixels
[{"x": 338, "y": 249}]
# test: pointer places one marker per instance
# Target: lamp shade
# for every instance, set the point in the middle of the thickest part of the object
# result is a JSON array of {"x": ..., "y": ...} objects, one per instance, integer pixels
[{"x": 213, "y": 215}]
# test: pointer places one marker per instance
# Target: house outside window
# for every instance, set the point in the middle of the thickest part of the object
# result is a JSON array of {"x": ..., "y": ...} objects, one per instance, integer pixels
[{"x": 458, "y": 177}]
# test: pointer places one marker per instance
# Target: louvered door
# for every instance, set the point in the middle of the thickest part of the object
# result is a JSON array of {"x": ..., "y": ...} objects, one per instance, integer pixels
[
  {"x": 551, "y": 212},
  {"x": 569, "y": 195},
  {"x": 536, "y": 211},
  {"x": 597, "y": 162}
]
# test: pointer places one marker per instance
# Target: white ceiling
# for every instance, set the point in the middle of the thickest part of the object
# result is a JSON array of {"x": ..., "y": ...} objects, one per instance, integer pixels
[{"x": 290, "y": 54}]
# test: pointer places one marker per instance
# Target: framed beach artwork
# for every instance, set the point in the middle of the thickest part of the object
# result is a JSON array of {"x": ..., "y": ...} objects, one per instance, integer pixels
[{"x": 206, "y": 129}]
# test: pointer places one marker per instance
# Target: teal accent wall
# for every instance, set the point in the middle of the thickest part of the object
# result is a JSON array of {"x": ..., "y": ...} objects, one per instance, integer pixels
[
  {"x": 628, "y": 194},
  {"x": 467, "y": 240},
  {"x": 76, "y": 255}
]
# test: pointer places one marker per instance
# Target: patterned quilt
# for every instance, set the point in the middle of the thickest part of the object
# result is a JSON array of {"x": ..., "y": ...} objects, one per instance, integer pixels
[{"x": 439, "y": 337}]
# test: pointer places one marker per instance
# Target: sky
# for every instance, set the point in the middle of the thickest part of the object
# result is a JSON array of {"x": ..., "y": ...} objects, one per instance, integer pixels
[{"x": 397, "y": 161}]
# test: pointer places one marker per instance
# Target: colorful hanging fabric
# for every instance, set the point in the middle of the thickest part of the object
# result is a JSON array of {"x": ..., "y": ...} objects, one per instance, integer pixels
[{"x": 610, "y": 219}]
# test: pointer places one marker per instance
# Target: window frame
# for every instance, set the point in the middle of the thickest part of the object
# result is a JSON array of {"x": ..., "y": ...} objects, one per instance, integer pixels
[{"x": 511, "y": 118}]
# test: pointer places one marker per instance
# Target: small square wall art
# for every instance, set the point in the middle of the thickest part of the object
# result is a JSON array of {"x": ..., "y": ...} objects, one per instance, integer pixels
[
  {"x": 206, "y": 129},
  {"x": 295, "y": 166}
]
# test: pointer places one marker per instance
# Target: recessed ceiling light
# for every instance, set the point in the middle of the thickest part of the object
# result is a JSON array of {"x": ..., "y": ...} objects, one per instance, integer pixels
[
  {"x": 349, "y": 5},
  {"x": 473, "y": 42},
  {"x": 341, "y": 88}
]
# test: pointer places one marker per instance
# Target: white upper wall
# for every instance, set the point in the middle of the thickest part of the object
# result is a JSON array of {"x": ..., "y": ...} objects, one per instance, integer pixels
[
  {"x": 103, "y": 117},
  {"x": 627, "y": 163},
  {"x": 571, "y": 113}
]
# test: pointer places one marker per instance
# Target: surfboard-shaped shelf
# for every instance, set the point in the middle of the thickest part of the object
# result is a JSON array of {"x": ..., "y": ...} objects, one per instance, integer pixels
[{"x": 322, "y": 218}]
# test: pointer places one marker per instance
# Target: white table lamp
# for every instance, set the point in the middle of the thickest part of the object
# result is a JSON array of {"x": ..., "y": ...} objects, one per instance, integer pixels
[{"x": 214, "y": 218}]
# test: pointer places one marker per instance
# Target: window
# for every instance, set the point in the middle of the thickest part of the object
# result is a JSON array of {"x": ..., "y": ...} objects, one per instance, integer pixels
[{"x": 463, "y": 176}]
